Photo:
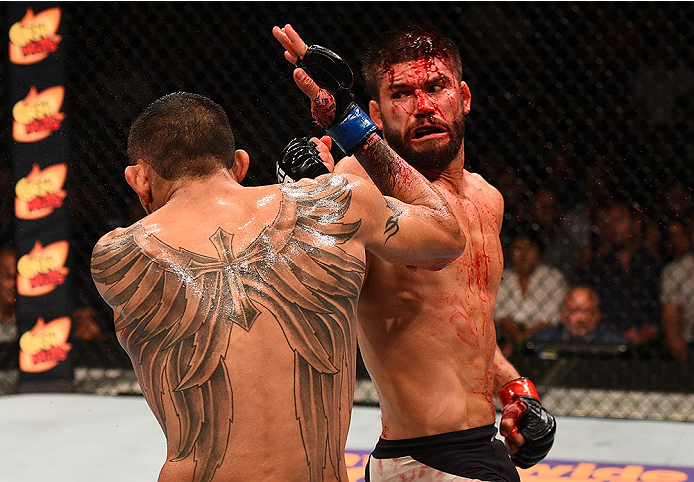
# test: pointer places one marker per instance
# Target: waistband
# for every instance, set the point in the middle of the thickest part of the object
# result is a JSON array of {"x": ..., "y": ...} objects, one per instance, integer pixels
[{"x": 462, "y": 439}]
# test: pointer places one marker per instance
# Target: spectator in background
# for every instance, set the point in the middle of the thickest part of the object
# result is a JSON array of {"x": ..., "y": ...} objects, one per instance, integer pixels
[
  {"x": 530, "y": 294},
  {"x": 625, "y": 276},
  {"x": 581, "y": 320},
  {"x": 8, "y": 295},
  {"x": 677, "y": 294},
  {"x": 85, "y": 327},
  {"x": 564, "y": 238},
  {"x": 678, "y": 202},
  {"x": 678, "y": 237},
  {"x": 662, "y": 78}
]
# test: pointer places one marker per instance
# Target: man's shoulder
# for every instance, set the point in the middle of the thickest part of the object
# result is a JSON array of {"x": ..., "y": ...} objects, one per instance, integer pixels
[
  {"x": 550, "y": 333},
  {"x": 686, "y": 262},
  {"x": 478, "y": 181},
  {"x": 480, "y": 190},
  {"x": 116, "y": 236}
]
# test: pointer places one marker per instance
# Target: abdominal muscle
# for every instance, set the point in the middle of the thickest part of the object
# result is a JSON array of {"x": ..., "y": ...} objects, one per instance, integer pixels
[{"x": 428, "y": 349}]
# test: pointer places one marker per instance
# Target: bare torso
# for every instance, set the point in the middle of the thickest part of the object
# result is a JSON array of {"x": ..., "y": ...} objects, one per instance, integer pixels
[
  {"x": 240, "y": 355},
  {"x": 428, "y": 337}
]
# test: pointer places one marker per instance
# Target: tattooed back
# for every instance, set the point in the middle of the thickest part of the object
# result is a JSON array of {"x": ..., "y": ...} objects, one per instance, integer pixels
[{"x": 237, "y": 314}]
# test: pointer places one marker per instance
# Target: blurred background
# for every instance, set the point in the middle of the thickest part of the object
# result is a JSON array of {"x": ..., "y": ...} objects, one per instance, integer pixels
[{"x": 582, "y": 116}]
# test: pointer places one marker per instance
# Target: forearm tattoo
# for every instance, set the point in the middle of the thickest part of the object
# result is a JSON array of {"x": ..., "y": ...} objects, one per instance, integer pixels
[
  {"x": 380, "y": 163},
  {"x": 175, "y": 310}
]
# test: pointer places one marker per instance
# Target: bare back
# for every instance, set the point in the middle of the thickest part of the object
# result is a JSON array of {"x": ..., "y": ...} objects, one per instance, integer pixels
[
  {"x": 238, "y": 318},
  {"x": 428, "y": 337}
]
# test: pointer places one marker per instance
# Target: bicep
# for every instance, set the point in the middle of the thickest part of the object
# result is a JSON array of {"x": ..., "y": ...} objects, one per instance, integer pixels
[{"x": 402, "y": 233}]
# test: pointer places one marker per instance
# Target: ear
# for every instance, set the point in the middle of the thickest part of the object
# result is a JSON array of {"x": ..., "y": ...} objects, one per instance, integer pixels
[
  {"x": 375, "y": 114},
  {"x": 241, "y": 164},
  {"x": 137, "y": 178},
  {"x": 465, "y": 94}
]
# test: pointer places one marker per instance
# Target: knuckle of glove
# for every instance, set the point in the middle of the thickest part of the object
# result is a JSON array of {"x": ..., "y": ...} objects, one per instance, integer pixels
[
  {"x": 538, "y": 427},
  {"x": 331, "y": 73},
  {"x": 298, "y": 160},
  {"x": 327, "y": 69},
  {"x": 516, "y": 409}
]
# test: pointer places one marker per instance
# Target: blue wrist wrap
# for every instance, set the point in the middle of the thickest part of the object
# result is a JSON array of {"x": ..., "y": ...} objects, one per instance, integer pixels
[{"x": 353, "y": 129}]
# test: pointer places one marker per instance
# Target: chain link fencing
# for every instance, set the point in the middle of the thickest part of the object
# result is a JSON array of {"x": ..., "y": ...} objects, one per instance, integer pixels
[{"x": 575, "y": 107}]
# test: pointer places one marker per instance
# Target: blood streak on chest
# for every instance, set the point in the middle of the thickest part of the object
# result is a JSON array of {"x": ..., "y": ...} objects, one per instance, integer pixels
[{"x": 478, "y": 265}]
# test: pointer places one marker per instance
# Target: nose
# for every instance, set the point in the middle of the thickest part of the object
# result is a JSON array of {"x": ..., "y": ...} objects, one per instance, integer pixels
[{"x": 424, "y": 103}]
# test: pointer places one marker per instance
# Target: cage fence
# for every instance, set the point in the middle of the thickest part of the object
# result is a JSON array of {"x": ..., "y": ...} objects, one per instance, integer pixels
[{"x": 577, "y": 109}]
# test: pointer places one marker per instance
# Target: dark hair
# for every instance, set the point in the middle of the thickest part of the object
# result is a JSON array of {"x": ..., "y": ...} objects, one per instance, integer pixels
[
  {"x": 182, "y": 134},
  {"x": 403, "y": 44},
  {"x": 532, "y": 235}
]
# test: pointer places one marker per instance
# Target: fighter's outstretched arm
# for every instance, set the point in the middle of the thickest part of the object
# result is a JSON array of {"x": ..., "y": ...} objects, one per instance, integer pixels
[{"x": 333, "y": 108}]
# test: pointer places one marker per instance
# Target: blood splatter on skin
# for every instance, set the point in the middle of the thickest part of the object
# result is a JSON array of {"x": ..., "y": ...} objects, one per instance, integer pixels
[{"x": 419, "y": 76}]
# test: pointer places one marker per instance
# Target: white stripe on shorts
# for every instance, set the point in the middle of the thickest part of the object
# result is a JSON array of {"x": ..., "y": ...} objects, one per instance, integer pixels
[{"x": 406, "y": 468}]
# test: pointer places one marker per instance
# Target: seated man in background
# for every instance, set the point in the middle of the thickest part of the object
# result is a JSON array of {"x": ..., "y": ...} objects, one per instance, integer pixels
[
  {"x": 625, "y": 275},
  {"x": 8, "y": 295},
  {"x": 677, "y": 295},
  {"x": 530, "y": 294},
  {"x": 581, "y": 321}
]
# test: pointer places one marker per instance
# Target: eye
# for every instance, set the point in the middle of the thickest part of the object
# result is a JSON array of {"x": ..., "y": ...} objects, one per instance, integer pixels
[
  {"x": 400, "y": 94},
  {"x": 435, "y": 88}
]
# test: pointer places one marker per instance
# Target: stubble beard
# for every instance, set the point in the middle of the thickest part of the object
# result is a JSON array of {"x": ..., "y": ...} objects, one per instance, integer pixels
[{"x": 436, "y": 157}]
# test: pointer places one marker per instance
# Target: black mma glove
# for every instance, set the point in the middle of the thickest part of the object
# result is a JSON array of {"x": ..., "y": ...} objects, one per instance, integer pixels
[
  {"x": 335, "y": 109},
  {"x": 520, "y": 401},
  {"x": 298, "y": 160}
]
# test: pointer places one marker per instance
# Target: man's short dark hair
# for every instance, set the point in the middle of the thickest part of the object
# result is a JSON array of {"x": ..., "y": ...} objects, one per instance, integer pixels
[
  {"x": 182, "y": 134},
  {"x": 404, "y": 44}
]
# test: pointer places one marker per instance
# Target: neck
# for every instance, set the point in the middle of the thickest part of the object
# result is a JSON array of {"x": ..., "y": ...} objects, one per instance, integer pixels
[
  {"x": 452, "y": 175},
  {"x": 198, "y": 189}
]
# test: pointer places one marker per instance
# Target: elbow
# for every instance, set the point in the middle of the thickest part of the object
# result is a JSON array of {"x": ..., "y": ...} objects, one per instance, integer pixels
[
  {"x": 454, "y": 249},
  {"x": 457, "y": 245}
]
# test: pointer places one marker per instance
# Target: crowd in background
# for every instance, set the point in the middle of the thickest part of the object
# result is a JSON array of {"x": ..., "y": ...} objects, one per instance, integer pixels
[
  {"x": 600, "y": 270},
  {"x": 582, "y": 118},
  {"x": 639, "y": 264}
]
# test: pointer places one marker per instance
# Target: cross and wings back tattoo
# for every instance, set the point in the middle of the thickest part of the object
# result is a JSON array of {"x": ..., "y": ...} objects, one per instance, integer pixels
[{"x": 175, "y": 311}]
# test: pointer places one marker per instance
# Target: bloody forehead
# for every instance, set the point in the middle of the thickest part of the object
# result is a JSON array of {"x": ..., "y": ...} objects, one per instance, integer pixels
[{"x": 411, "y": 46}]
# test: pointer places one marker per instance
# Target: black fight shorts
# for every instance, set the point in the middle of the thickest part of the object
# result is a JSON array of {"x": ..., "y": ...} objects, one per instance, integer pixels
[{"x": 467, "y": 455}]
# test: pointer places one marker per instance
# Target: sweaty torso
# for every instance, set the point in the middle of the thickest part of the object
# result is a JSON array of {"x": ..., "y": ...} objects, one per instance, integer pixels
[
  {"x": 428, "y": 337},
  {"x": 237, "y": 316}
]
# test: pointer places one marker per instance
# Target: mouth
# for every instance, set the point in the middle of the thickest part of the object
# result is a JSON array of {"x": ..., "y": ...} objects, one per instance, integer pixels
[{"x": 428, "y": 131}]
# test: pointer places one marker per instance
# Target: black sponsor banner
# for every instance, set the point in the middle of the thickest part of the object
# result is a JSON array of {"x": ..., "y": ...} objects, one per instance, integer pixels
[{"x": 40, "y": 154}]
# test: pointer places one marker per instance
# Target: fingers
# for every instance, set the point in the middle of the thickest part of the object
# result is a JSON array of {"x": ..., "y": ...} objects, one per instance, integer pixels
[
  {"x": 511, "y": 447},
  {"x": 295, "y": 48},
  {"x": 328, "y": 141},
  {"x": 508, "y": 429},
  {"x": 324, "y": 144},
  {"x": 506, "y": 426},
  {"x": 290, "y": 53},
  {"x": 299, "y": 45},
  {"x": 306, "y": 84}
]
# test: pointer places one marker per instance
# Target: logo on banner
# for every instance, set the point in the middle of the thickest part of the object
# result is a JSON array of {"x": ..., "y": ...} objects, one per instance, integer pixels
[
  {"x": 34, "y": 37},
  {"x": 42, "y": 269},
  {"x": 45, "y": 345},
  {"x": 38, "y": 115},
  {"x": 40, "y": 192},
  {"x": 550, "y": 471}
]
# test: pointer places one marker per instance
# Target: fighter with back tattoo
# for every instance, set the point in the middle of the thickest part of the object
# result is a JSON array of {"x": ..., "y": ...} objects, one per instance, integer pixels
[
  {"x": 428, "y": 338},
  {"x": 237, "y": 304}
]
